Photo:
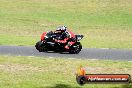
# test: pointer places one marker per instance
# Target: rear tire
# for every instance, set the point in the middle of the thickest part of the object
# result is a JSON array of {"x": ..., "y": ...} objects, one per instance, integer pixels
[{"x": 76, "y": 48}]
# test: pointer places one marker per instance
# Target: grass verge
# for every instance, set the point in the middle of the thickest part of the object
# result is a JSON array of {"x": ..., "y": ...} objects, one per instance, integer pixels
[
  {"x": 44, "y": 72},
  {"x": 105, "y": 23}
]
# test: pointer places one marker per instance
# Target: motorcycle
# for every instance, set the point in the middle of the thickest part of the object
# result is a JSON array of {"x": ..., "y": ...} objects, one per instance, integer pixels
[{"x": 48, "y": 44}]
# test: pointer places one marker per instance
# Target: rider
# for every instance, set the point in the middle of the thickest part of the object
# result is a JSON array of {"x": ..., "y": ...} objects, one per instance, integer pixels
[{"x": 64, "y": 34}]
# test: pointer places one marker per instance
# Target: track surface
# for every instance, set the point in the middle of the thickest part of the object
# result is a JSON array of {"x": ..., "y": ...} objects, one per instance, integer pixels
[{"x": 86, "y": 53}]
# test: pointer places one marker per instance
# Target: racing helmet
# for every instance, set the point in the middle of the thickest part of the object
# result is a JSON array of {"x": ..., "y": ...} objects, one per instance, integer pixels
[{"x": 62, "y": 28}]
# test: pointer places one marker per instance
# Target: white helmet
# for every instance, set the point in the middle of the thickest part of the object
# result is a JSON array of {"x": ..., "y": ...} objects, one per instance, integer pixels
[{"x": 62, "y": 28}]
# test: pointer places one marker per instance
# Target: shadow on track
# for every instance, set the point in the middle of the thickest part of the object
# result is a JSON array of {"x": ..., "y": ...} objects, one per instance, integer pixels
[{"x": 58, "y": 52}]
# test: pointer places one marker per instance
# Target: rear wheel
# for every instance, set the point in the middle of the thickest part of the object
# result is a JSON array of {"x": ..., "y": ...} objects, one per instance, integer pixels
[{"x": 76, "y": 48}]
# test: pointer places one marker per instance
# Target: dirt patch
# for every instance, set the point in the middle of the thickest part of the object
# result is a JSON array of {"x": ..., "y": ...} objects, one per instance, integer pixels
[
  {"x": 20, "y": 68},
  {"x": 107, "y": 70}
]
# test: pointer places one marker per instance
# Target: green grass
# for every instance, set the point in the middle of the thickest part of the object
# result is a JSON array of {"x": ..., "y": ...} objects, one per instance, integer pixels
[
  {"x": 44, "y": 72},
  {"x": 17, "y": 40},
  {"x": 105, "y": 23}
]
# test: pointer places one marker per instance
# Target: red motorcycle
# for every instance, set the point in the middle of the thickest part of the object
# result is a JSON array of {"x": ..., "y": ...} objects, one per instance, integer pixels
[{"x": 47, "y": 43}]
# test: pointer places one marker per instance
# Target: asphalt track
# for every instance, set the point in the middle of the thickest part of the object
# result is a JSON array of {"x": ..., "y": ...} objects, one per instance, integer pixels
[{"x": 86, "y": 53}]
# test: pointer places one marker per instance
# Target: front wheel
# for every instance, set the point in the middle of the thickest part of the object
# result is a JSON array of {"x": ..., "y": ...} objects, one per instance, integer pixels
[
  {"x": 76, "y": 48},
  {"x": 39, "y": 46}
]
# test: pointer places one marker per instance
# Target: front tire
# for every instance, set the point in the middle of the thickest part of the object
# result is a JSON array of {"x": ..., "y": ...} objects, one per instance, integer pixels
[
  {"x": 76, "y": 48},
  {"x": 39, "y": 46}
]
